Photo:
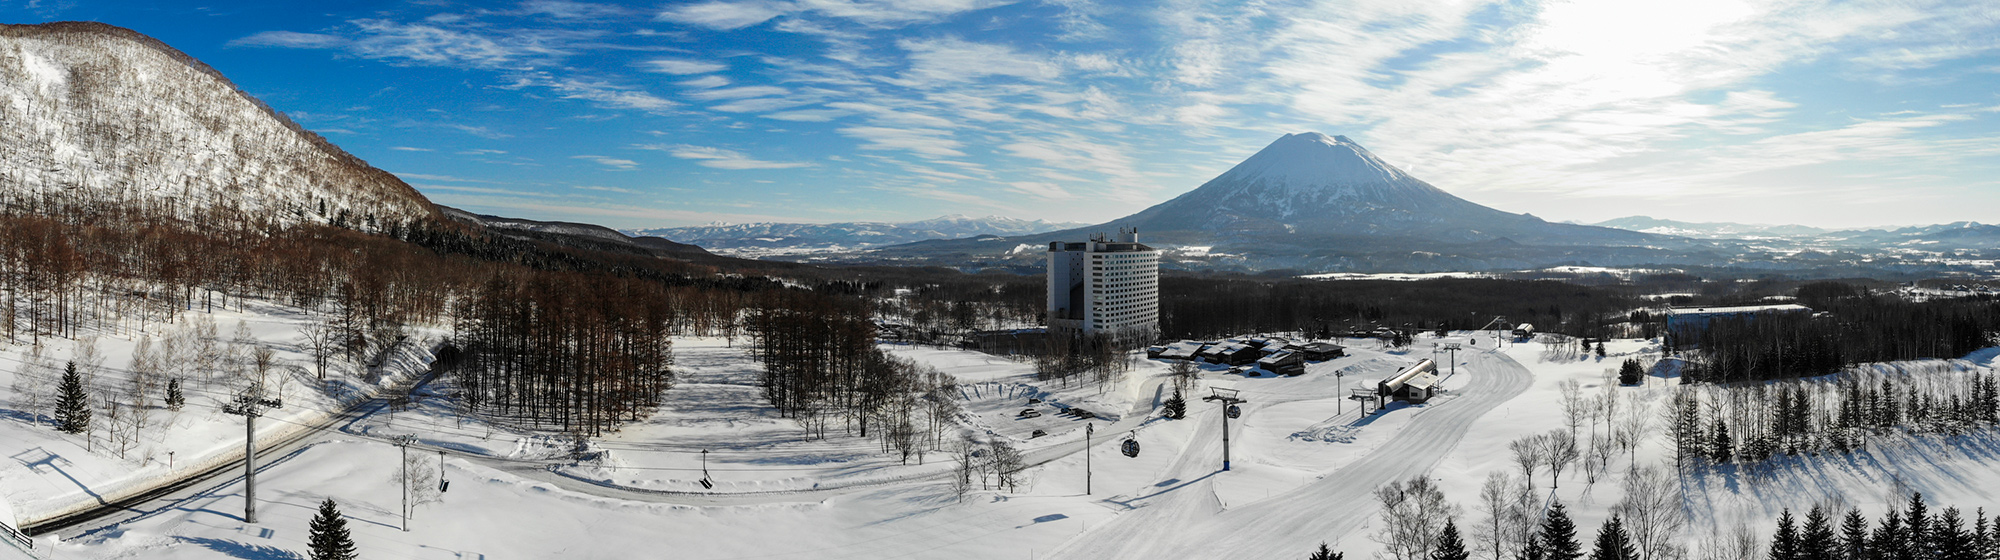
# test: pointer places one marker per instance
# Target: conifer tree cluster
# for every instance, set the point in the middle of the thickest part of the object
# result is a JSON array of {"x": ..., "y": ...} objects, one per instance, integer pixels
[
  {"x": 1847, "y": 327},
  {"x": 1913, "y": 533},
  {"x": 1755, "y": 422}
]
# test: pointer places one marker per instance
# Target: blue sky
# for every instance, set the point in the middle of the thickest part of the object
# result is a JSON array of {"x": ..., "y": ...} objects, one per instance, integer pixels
[{"x": 649, "y": 115}]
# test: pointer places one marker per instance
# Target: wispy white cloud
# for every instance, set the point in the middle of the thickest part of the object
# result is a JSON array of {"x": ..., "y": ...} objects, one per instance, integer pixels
[
  {"x": 958, "y": 60},
  {"x": 609, "y": 95},
  {"x": 614, "y": 164},
  {"x": 683, "y": 67},
  {"x": 291, "y": 40},
  {"x": 925, "y": 142},
  {"x": 484, "y": 190},
  {"x": 724, "y": 15},
  {"x": 737, "y": 93},
  {"x": 719, "y": 158},
  {"x": 1042, "y": 190},
  {"x": 446, "y": 178},
  {"x": 706, "y": 82},
  {"x": 605, "y": 189},
  {"x": 480, "y": 131},
  {"x": 409, "y": 149},
  {"x": 562, "y": 10},
  {"x": 732, "y": 15}
]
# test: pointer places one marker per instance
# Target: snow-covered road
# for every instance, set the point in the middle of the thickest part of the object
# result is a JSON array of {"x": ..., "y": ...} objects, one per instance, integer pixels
[{"x": 1186, "y": 517}]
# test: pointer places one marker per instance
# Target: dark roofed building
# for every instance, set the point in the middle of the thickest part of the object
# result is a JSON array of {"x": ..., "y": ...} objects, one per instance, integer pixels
[
  {"x": 1318, "y": 351},
  {"x": 1283, "y": 362}
]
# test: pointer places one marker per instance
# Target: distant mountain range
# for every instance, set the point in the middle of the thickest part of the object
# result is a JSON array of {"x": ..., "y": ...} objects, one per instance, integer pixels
[
  {"x": 1707, "y": 230},
  {"x": 1955, "y": 235},
  {"x": 765, "y": 239}
]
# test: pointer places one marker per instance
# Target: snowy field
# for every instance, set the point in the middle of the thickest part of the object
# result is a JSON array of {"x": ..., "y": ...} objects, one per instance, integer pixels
[
  {"x": 1304, "y": 464},
  {"x": 51, "y": 473}
]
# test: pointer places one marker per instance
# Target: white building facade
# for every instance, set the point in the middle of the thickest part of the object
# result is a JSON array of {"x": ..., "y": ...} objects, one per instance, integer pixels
[{"x": 1105, "y": 286}]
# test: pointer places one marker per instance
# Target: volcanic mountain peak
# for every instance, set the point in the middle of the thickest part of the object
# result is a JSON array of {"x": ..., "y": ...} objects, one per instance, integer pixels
[{"x": 1311, "y": 159}]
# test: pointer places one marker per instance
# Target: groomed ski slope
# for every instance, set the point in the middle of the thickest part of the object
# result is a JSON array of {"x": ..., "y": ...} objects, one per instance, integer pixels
[{"x": 1192, "y": 520}]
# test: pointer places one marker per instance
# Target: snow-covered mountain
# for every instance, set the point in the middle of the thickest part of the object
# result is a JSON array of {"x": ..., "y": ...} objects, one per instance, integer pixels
[
  {"x": 1310, "y": 185},
  {"x": 1324, "y": 203},
  {"x": 98, "y": 118},
  {"x": 778, "y": 238},
  {"x": 1708, "y": 230}
]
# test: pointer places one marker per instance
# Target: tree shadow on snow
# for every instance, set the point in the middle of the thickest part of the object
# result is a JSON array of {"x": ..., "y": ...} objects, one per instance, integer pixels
[{"x": 242, "y": 550}]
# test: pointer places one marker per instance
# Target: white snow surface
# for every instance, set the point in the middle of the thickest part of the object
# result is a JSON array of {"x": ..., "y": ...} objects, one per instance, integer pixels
[
  {"x": 52, "y": 473},
  {"x": 1304, "y": 463}
]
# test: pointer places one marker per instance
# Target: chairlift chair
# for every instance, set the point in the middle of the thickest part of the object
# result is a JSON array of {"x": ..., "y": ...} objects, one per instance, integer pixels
[{"x": 706, "y": 482}]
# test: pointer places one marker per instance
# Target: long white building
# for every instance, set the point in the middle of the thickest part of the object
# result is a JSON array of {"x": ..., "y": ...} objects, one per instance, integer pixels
[{"x": 1105, "y": 286}]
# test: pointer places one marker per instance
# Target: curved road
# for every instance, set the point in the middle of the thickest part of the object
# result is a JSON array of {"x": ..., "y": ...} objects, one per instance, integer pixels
[{"x": 1190, "y": 521}]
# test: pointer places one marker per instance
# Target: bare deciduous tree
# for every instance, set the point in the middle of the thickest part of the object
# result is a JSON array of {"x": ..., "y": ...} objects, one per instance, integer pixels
[
  {"x": 1558, "y": 451},
  {"x": 1652, "y": 508},
  {"x": 1496, "y": 497},
  {"x": 1574, "y": 406},
  {"x": 1413, "y": 514},
  {"x": 1527, "y": 455},
  {"x": 320, "y": 339}
]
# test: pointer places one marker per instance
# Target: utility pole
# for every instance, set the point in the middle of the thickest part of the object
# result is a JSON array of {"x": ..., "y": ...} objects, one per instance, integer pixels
[
  {"x": 250, "y": 404},
  {"x": 404, "y": 443},
  {"x": 1227, "y": 398},
  {"x": 1453, "y": 349},
  {"x": 1088, "y": 428}
]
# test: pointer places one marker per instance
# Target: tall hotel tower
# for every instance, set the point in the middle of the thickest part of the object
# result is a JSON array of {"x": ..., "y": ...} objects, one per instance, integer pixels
[{"x": 1105, "y": 287}]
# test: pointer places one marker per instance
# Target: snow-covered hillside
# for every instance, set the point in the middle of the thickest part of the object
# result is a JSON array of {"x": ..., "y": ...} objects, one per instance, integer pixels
[
  {"x": 99, "y": 117},
  {"x": 146, "y": 442}
]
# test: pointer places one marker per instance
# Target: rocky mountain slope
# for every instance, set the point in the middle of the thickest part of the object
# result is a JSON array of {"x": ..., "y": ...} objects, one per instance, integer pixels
[{"x": 103, "y": 119}]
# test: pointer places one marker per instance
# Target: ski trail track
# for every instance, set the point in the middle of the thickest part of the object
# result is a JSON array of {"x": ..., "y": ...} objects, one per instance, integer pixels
[{"x": 1186, "y": 519}]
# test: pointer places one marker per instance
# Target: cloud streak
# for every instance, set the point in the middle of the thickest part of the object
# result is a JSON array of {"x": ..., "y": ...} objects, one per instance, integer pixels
[{"x": 719, "y": 158}]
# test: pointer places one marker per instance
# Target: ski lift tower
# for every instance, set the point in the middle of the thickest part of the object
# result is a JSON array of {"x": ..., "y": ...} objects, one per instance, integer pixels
[
  {"x": 250, "y": 404},
  {"x": 1227, "y": 398}
]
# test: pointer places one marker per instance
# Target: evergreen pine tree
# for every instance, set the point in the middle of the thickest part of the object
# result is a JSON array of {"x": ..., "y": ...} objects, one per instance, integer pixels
[
  {"x": 1951, "y": 540},
  {"x": 1888, "y": 543},
  {"x": 1613, "y": 543},
  {"x": 1532, "y": 550},
  {"x": 1559, "y": 536},
  {"x": 1450, "y": 546},
  {"x": 1629, "y": 373},
  {"x": 1325, "y": 553},
  {"x": 1816, "y": 540},
  {"x": 72, "y": 404},
  {"x": 174, "y": 397},
  {"x": 1785, "y": 543},
  {"x": 1175, "y": 408},
  {"x": 1720, "y": 448},
  {"x": 1854, "y": 536},
  {"x": 328, "y": 536},
  {"x": 1982, "y": 535},
  {"x": 1916, "y": 539}
]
